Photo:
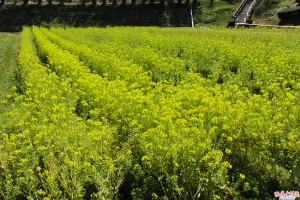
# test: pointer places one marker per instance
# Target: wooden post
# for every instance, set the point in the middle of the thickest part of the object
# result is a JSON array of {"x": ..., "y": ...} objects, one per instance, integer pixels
[{"x": 192, "y": 19}]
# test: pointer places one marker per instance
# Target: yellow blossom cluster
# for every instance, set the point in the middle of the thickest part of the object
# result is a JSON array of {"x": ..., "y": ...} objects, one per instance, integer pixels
[{"x": 153, "y": 113}]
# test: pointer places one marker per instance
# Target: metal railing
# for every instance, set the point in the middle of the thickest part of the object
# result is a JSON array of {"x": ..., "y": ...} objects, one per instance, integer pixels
[
  {"x": 249, "y": 12},
  {"x": 239, "y": 9}
]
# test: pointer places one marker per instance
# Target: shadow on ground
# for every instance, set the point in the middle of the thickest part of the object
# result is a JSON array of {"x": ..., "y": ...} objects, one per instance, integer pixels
[
  {"x": 290, "y": 16},
  {"x": 14, "y": 17}
]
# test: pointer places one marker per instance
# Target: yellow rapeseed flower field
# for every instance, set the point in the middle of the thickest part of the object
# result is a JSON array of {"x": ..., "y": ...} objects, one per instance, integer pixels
[{"x": 153, "y": 113}]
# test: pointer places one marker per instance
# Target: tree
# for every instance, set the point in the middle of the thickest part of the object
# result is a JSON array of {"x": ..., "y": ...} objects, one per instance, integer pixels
[
  {"x": 195, "y": 3},
  {"x": 2, "y": 2},
  {"x": 170, "y": 2}
]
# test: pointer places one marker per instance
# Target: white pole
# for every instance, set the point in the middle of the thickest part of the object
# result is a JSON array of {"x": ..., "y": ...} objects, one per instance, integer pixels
[{"x": 192, "y": 20}]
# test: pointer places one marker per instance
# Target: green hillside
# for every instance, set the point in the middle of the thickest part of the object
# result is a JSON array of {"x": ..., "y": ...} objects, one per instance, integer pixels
[
  {"x": 267, "y": 10},
  {"x": 205, "y": 13}
]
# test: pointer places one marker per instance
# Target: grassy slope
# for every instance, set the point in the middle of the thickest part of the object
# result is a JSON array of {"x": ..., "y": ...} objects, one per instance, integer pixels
[
  {"x": 9, "y": 44},
  {"x": 267, "y": 13},
  {"x": 204, "y": 15},
  {"x": 217, "y": 15}
]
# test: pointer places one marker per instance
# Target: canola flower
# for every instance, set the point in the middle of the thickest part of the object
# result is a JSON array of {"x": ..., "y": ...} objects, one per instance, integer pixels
[{"x": 161, "y": 113}]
